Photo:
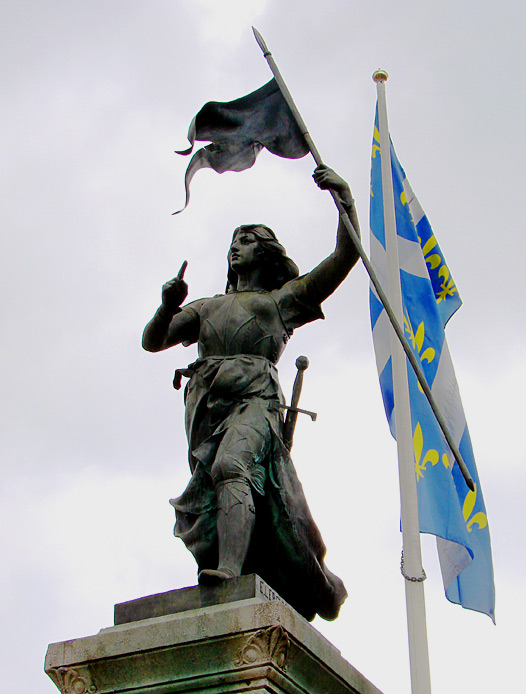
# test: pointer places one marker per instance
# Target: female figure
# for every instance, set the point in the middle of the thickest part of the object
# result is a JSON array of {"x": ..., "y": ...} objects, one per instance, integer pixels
[{"x": 244, "y": 510}]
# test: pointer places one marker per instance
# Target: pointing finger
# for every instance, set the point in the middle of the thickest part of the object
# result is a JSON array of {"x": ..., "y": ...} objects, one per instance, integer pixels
[{"x": 181, "y": 272}]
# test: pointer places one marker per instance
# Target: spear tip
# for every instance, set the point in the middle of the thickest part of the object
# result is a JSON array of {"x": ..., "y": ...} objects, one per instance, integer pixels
[{"x": 261, "y": 41}]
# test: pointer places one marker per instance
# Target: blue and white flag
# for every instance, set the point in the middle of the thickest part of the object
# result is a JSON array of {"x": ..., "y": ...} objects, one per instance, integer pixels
[{"x": 446, "y": 507}]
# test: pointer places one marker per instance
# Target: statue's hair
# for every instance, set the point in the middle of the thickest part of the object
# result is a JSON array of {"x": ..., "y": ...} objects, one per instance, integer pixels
[{"x": 279, "y": 268}]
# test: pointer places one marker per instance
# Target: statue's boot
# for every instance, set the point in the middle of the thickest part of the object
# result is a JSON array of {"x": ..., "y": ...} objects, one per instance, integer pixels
[{"x": 235, "y": 523}]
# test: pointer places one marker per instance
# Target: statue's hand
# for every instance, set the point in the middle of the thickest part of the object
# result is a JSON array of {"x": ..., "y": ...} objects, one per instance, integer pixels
[
  {"x": 325, "y": 178},
  {"x": 175, "y": 291}
]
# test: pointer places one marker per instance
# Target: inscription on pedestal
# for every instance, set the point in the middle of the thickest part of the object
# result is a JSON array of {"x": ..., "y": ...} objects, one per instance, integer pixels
[{"x": 266, "y": 592}]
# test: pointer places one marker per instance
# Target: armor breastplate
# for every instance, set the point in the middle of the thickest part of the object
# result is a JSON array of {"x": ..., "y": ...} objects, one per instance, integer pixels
[{"x": 242, "y": 323}]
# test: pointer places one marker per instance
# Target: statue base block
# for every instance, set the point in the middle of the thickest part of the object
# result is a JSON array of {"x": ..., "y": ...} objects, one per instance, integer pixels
[{"x": 230, "y": 638}]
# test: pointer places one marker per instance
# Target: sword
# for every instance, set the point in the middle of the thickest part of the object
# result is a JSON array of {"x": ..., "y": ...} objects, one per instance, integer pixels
[{"x": 292, "y": 412}]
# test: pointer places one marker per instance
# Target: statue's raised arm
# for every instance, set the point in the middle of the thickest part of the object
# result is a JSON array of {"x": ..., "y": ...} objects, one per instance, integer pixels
[{"x": 326, "y": 277}]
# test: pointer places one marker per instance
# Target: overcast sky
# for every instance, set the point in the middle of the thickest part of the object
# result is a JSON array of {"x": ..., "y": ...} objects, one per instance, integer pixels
[{"x": 96, "y": 96}]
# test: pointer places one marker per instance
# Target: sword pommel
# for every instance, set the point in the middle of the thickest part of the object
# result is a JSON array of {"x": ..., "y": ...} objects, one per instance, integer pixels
[{"x": 302, "y": 363}]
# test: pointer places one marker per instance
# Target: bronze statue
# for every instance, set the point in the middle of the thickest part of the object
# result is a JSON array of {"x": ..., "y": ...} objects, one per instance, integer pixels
[{"x": 244, "y": 510}]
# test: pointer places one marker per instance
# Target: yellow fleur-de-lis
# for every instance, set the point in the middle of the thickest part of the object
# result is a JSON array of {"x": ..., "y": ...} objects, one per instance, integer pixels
[
  {"x": 434, "y": 260},
  {"x": 417, "y": 339},
  {"x": 376, "y": 138},
  {"x": 404, "y": 201},
  {"x": 376, "y": 148},
  {"x": 447, "y": 288},
  {"x": 478, "y": 518},
  {"x": 431, "y": 455}
]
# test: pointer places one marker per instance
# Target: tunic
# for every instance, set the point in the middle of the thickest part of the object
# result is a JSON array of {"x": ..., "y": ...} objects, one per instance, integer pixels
[{"x": 241, "y": 336}]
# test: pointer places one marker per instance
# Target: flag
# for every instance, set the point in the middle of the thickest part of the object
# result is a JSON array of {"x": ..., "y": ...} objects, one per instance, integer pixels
[
  {"x": 446, "y": 507},
  {"x": 240, "y": 129}
]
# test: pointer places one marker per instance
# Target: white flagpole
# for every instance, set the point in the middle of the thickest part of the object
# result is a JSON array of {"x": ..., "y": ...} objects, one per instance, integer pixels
[{"x": 412, "y": 557}]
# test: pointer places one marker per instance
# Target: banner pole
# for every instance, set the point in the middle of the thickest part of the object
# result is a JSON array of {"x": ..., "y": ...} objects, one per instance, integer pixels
[{"x": 367, "y": 263}]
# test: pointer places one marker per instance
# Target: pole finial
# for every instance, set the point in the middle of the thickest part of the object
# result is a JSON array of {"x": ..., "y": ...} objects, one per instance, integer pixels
[{"x": 380, "y": 76}]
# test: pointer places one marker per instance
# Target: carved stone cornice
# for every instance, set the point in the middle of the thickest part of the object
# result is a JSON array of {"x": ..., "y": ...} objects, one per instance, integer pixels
[
  {"x": 270, "y": 644},
  {"x": 71, "y": 681}
]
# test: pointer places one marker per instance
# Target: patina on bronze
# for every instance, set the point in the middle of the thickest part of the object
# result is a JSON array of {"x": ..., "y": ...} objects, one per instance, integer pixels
[{"x": 244, "y": 510}]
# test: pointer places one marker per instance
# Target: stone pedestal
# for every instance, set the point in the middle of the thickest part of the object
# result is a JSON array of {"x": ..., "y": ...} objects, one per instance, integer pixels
[{"x": 240, "y": 637}]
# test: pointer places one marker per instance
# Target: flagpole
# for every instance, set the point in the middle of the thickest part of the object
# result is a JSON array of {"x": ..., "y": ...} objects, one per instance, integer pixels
[
  {"x": 412, "y": 557},
  {"x": 395, "y": 323}
]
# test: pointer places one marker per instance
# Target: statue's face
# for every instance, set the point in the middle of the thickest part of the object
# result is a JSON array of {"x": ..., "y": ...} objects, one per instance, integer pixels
[{"x": 245, "y": 252}]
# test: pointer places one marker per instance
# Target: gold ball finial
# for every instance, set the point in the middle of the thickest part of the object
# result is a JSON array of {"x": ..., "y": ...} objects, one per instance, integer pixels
[{"x": 380, "y": 76}]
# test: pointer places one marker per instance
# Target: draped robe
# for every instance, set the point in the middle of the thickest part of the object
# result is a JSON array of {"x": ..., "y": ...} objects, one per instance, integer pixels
[{"x": 240, "y": 337}]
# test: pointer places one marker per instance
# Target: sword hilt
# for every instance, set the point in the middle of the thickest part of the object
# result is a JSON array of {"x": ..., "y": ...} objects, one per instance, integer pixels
[{"x": 302, "y": 363}]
